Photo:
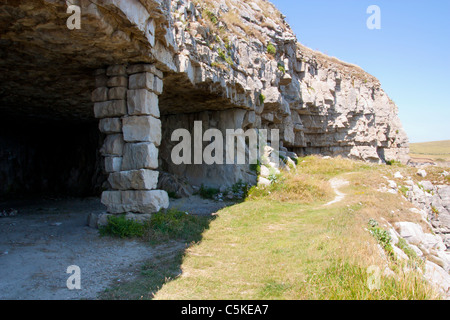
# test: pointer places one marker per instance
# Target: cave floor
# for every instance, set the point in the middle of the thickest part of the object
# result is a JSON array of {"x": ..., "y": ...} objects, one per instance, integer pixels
[{"x": 47, "y": 236}]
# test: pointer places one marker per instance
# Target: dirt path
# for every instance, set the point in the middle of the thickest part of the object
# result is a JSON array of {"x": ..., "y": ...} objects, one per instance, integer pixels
[
  {"x": 46, "y": 237},
  {"x": 336, "y": 184}
]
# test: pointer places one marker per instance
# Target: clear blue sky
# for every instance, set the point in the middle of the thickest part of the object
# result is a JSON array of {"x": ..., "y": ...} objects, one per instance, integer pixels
[{"x": 410, "y": 55}]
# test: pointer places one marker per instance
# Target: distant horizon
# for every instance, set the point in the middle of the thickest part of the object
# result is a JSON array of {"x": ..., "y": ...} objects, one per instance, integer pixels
[
  {"x": 429, "y": 141},
  {"x": 412, "y": 33}
]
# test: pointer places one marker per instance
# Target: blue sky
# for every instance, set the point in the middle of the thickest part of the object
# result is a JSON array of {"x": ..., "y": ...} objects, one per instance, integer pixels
[{"x": 410, "y": 55}]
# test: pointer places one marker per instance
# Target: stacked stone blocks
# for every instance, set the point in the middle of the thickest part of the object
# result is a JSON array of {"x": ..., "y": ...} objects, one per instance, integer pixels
[{"x": 126, "y": 102}]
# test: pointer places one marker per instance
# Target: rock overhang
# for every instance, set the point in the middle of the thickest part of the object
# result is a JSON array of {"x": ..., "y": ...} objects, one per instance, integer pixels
[{"x": 48, "y": 70}]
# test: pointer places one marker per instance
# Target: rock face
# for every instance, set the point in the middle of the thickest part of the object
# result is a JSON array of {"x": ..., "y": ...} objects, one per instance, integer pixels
[
  {"x": 144, "y": 68},
  {"x": 320, "y": 104}
]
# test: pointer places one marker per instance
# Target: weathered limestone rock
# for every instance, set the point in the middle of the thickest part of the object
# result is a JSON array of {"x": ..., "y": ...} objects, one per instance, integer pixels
[
  {"x": 142, "y": 102},
  {"x": 140, "y": 156},
  {"x": 110, "y": 109},
  {"x": 100, "y": 94},
  {"x": 113, "y": 145},
  {"x": 145, "y": 202},
  {"x": 119, "y": 81},
  {"x": 110, "y": 125},
  {"x": 134, "y": 180},
  {"x": 113, "y": 164},
  {"x": 142, "y": 129},
  {"x": 117, "y": 93},
  {"x": 147, "y": 81}
]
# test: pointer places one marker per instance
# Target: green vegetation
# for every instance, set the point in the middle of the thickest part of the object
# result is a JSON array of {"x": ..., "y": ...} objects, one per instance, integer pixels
[
  {"x": 256, "y": 167},
  {"x": 271, "y": 49},
  {"x": 175, "y": 225},
  {"x": 281, "y": 67},
  {"x": 153, "y": 275},
  {"x": 382, "y": 236},
  {"x": 435, "y": 210},
  {"x": 220, "y": 66},
  {"x": 262, "y": 98},
  {"x": 403, "y": 190},
  {"x": 224, "y": 56},
  {"x": 393, "y": 163},
  {"x": 414, "y": 261},
  {"x": 284, "y": 243},
  {"x": 212, "y": 17},
  {"x": 119, "y": 226}
]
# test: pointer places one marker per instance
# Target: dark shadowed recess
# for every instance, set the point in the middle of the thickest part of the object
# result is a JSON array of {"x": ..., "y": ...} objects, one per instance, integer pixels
[{"x": 45, "y": 157}]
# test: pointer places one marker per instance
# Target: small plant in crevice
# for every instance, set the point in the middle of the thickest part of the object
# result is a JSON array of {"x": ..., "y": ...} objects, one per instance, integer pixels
[
  {"x": 403, "y": 190},
  {"x": 271, "y": 49},
  {"x": 435, "y": 210},
  {"x": 382, "y": 236},
  {"x": 212, "y": 17},
  {"x": 414, "y": 261},
  {"x": 281, "y": 67},
  {"x": 262, "y": 98},
  {"x": 224, "y": 56}
]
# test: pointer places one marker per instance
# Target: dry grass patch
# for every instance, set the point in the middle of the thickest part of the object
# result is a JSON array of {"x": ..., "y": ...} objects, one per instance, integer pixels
[{"x": 272, "y": 248}]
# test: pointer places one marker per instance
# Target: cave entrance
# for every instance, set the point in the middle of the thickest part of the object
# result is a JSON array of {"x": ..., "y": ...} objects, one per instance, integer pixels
[
  {"x": 49, "y": 157},
  {"x": 181, "y": 106},
  {"x": 49, "y": 137}
]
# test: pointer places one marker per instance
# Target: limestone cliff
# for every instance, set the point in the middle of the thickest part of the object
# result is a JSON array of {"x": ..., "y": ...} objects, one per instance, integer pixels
[{"x": 247, "y": 57}]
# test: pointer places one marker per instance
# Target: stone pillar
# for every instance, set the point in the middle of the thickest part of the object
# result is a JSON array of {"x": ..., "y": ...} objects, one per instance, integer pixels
[{"x": 126, "y": 102}]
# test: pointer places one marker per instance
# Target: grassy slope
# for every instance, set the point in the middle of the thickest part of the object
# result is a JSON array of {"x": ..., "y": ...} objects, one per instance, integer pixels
[
  {"x": 276, "y": 247},
  {"x": 431, "y": 150}
]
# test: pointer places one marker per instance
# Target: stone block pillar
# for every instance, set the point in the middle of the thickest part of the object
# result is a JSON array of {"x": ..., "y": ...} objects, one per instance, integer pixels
[{"x": 126, "y": 102}]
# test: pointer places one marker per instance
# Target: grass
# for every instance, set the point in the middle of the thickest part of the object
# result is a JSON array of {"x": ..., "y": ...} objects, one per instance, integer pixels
[
  {"x": 173, "y": 230},
  {"x": 271, "y": 49},
  {"x": 175, "y": 225},
  {"x": 437, "y": 150},
  {"x": 120, "y": 227},
  {"x": 284, "y": 243},
  {"x": 280, "y": 246}
]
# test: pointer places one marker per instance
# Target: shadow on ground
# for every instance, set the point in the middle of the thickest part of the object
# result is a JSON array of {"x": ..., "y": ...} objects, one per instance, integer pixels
[
  {"x": 166, "y": 266},
  {"x": 45, "y": 237}
]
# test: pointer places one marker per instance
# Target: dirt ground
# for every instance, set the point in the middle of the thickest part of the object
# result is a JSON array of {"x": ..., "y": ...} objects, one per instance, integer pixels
[{"x": 47, "y": 236}]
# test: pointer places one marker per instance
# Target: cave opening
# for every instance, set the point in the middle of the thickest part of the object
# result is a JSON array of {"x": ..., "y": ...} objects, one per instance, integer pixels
[
  {"x": 181, "y": 106},
  {"x": 49, "y": 158}
]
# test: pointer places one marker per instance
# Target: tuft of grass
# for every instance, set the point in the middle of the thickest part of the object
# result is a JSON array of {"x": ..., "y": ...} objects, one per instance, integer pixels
[
  {"x": 212, "y": 17},
  {"x": 271, "y": 49},
  {"x": 393, "y": 163},
  {"x": 120, "y": 227},
  {"x": 262, "y": 98},
  {"x": 176, "y": 225},
  {"x": 291, "y": 187},
  {"x": 415, "y": 261},
  {"x": 282, "y": 68},
  {"x": 435, "y": 210},
  {"x": 382, "y": 236},
  {"x": 403, "y": 190}
]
